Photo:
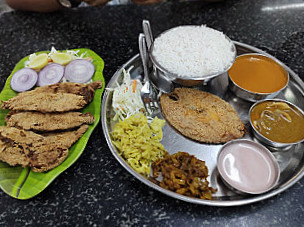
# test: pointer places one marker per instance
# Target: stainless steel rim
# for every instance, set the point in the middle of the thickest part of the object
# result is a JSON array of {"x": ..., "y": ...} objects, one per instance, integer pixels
[{"x": 220, "y": 203}]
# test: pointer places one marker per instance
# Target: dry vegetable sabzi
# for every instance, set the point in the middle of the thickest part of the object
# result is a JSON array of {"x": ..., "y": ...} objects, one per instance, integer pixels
[{"x": 184, "y": 174}]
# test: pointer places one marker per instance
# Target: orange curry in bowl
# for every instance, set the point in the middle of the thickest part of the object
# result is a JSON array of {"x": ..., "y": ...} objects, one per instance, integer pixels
[{"x": 258, "y": 73}]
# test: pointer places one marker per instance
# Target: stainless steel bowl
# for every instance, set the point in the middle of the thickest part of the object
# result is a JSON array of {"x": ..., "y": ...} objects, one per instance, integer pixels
[
  {"x": 237, "y": 176},
  {"x": 256, "y": 96},
  {"x": 163, "y": 73},
  {"x": 264, "y": 139}
]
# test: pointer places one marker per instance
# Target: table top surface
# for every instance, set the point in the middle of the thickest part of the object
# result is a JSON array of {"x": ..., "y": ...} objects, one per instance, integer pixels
[{"x": 96, "y": 190}]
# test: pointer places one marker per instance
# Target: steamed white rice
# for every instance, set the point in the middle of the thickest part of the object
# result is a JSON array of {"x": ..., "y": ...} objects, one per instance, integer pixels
[{"x": 193, "y": 51}]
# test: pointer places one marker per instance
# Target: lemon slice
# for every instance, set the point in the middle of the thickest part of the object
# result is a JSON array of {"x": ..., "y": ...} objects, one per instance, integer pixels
[
  {"x": 39, "y": 61},
  {"x": 61, "y": 58}
]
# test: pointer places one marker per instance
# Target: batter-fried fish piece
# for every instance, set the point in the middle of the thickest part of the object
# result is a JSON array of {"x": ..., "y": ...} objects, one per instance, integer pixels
[
  {"x": 40, "y": 153},
  {"x": 47, "y": 157},
  {"x": 13, "y": 154},
  {"x": 55, "y": 149},
  {"x": 85, "y": 90},
  {"x": 201, "y": 116},
  {"x": 14, "y": 145},
  {"x": 67, "y": 138},
  {"x": 20, "y": 136},
  {"x": 60, "y": 97},
  {"x": 38, "y": 121},
  {"x": 45, "y": 102},
  {"x": 40, "y": 158}
]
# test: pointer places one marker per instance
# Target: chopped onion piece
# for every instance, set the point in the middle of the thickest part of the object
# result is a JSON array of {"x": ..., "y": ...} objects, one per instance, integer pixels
[
  {"x": 50, "y": 74},
  {"x": 79, "y": 71},
  {"x": 24, "y": 79}
]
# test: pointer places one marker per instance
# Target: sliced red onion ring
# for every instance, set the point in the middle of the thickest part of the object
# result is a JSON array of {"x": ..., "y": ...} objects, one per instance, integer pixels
[
  {"x": 79, "y": 71},
  {"x": 50, "y": 74},
  {"x": 24, "y": 79}
]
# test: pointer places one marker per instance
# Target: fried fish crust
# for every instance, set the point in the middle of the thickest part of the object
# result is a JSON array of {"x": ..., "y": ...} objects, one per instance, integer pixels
[
  {"x": 38, "y": 121},
  {"x": 13, "y": 154},
  {"x": 66, "y": 138},
  {"x": 40, "y": 152},
  {"x": 44, "y": 102},
  {"x": 85, "y": 90},
  {"x": 201, "y": 116},
  {"x": 60, "y": 97}
]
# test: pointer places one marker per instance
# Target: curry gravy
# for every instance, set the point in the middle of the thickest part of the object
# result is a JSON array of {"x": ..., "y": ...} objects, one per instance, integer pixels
[{"x": 258, "y": 73}]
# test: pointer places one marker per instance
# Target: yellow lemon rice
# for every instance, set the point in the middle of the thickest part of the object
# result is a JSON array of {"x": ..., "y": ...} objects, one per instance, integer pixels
[{"x": 139, "y": 142}]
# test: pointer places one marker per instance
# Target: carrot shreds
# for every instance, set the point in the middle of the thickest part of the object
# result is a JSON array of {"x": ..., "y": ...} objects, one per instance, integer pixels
[
  {"x": 134, "y": 85},
  {"x": 126, "y": 100}
]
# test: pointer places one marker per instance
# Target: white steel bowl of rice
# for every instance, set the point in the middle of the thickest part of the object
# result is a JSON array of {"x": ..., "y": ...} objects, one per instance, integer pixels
[{"x": 192, "y": 55}]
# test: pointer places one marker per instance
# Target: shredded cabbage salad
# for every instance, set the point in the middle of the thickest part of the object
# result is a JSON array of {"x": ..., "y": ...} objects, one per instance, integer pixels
[{"x": 126, "y": 99}]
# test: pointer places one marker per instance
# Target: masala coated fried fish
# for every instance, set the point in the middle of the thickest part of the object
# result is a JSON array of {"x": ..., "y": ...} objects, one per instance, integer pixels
[
  {"x": 40, "y": 158},
  {"x": 13, "y": 154},
  {"x": 38, "y": 121},
  {"x": 20, "y": 136},
  {"x": 53, "y": 98},
  {"x": 44, "y": 102},
  {"x": 85, "y": 90},
  {"x": 14, "y": 145},
  {"x": 45, "y": 110},
  {"x": 201, "y": 116},
  {"x": 47, "y": 157},
  {"x": 55, "y": 149},
  {"x": 66, "y": 138},
  {"x": 40, "y": 153}
]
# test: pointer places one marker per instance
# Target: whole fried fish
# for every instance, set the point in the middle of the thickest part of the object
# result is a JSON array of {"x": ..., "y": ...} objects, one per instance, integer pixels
[
  {"x": 201, "y": 116},
  {"x": 60, "y": 97},
  {"x": 38, "y": 121}
]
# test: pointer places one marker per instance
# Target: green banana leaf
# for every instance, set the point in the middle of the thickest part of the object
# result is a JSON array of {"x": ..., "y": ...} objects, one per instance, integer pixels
[{"x": 23, "y": 183}]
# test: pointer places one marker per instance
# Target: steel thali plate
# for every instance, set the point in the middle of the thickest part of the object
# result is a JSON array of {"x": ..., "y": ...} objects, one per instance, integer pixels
[{"x": 291, "y": 159}]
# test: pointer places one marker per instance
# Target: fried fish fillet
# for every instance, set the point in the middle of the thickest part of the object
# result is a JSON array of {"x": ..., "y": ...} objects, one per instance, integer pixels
[
  {"x": 40, "y": 153},
  {"x": 20, "y": 136},
  {"x": 67, "y": 138},
  {"x": 47, "y": 157},
  {"x": 85, "y": 90},
  {"x": 55, "y": 149},
  {"x": 15, "y": 144},
  {"x": 45, "y": 102},
  {"x": 38, "y": 121},
  {"x": 13, "y": 154},
  {"x": 60, "y": 97},
  {"x": 201, "y": 116}
]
